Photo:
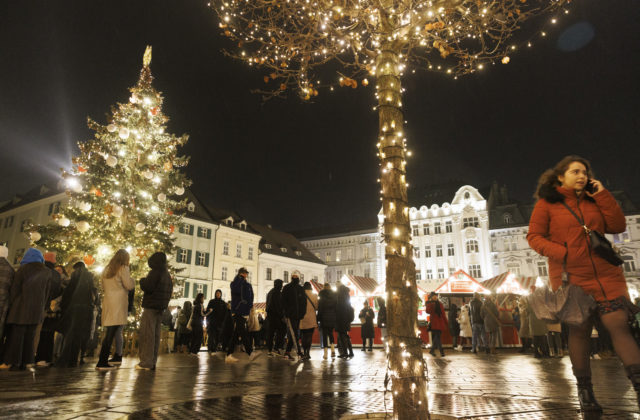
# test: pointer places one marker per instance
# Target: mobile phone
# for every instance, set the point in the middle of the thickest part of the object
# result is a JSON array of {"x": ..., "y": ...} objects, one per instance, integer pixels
[{"x": 589, "y": 187}]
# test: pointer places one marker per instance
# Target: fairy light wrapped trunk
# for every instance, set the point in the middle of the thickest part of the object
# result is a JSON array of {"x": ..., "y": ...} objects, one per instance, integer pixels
[{"x": 292, "y": 40}]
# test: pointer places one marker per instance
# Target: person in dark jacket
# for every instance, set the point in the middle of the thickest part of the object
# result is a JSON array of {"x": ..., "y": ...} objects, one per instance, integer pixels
[
  {"x": 344, "y": 318},
  {"x": 275, "y": 325},
  {"x": 367, "y": 331},
  {"x": 241, "y": 304},
  {"x": 294, "y": 303},
  {"x": 216, "y": 310},
  {"x": 157, "y": 288},
  {"x": 28, "y": 296},
  {"x": 44, "y": 352},
  {"x": 454, "y": 325},
  {"x": 7, "y": 274},
  {"x": 477, "y": 323},
  {"x": 184, "y": 333},
  {"x": 197, "y": 330},
  {"x": 491, "y": 317},
  {"x": 438, "y": 321},
  {"x": 382, "y": 319},
  {"x": 327, "y": 317}
]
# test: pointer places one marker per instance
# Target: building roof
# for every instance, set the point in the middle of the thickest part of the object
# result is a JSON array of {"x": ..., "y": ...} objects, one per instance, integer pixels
[
  {"x": 427, "y": 195},
  {"x": 200, "y": 211},
  {"x": 361, "y": 227},
  {"x": 283, "y": 244},
  {"x": 36, "y": 193}
]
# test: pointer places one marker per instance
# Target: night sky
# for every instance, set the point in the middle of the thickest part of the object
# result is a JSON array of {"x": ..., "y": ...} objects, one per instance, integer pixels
[{"x": 303, "y": 165}]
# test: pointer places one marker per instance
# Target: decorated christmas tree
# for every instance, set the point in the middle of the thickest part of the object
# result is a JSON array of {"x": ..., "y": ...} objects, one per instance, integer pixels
[{"x": 124, "y": 187}]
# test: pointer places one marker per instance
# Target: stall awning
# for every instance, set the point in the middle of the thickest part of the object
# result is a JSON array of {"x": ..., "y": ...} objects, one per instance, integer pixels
[
  {"x": 364, "y": 285},
  {"x": 461, "y": 282},
  {"x": 316, "y": 286},
  {"x": 508, "y": 282}
]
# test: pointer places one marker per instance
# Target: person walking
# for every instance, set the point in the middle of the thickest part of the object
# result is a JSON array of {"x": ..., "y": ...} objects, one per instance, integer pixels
[
  {"x": 327, "y": 318},
  {"x": 77, "y": 307},
  {"x": 216, "y": 309},
  {"x": 569, "y": 198},
  {"x": 466, "y": 332},
  {"x": 157, "y": 288},
  {"x": 197, "y": 331},
  {"x": 184, "y": 342},
  {"x": 28, "y": 296},
  {"x": 490, "y": 314},
  {"x": 454, "y": 325},
  {"x": 367, "y": 331},
  {"x": 116, "y": 283},
  {"x": 309, "y": 322},
  {"x": 525, "y": 330},
  {"x": 241, "y": 304},
  {"x": 344, "y": 318},
  {"x": 382, "y": 320},
  {"x": 294, "y": 303},
  {"x": 7, "y": 274},
  {"x": 538, "y": 329},
  {"x": 275, "y": 326},
  {"x": 438, "y": 321},
  {"x": 477, "y": 324}
]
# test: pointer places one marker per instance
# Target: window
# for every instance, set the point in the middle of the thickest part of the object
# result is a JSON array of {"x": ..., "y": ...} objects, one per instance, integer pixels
[
  {"x": 183, "y": 256},
  {"x": 467, "y": 195},
  {"x": 350, "y": 271},
  {"x": 202, "y": 258},
  {"x": 338, "y": 255},
  {"x": 440, "y": 273},
  {"x": 298, "y": 253},
  {"x": 283, "y": 249},
  {"x": 621, "y": 237},
  {"x": 200, "y": 287},
  {"x": 472, "y": 246},
  {"x": 416, "y": 231},
  {"x": 328, "y": 256},
  {"x": 514, "y": 244},
  {"x": 469, "y": 222},
  {"x": 450, "y": 250},
  {"x": 448, "y": 227},
  {"x": 186, "y": 228},
  {"x": 191, "y": 207},
  {"x": 225, "y": 248},
  {"x": 339, "y": 274},
  {"x": 427, "y": 252},
  {"x": 24, "y": 224},
  {"x": 225, "y": 273},
  {"x": 429, "y": 274},
  {"x": 507, "y": 218},
  {"x": 315, "y": 278},
  {"x": 250, "y": 253},
  {"x": 239, "y": 250},
  {"x": 186, "y": 289},
  {"x": 268, "y": 275},
  {"x": 365, "y": 253},
  {"x": 54, "y": 208},
  {"x": 418, "y": 275},
  {"x": 416, "y": 252},
  {"x": 425, "y": 229},
  {"x": 8, "y": 222},
  {"x": 436, "y": 228},
  {"x": 474, "y": 271},
  {"x": 249, "y": 276},
  {"x": 629, "y": 263},
  {"x": 349, "y": 254},
  {"x": 367, "y": 272},
  {"x": 267, "y": 246},
  {"x": 204, "y": 232},
  {"x": 514, "y": 268},
  {"x": 451, "y": 271},
  {"x": 285, "y": 276},
  {"x": 542, "y": 268},
  {"x": 438, "y": 250}
]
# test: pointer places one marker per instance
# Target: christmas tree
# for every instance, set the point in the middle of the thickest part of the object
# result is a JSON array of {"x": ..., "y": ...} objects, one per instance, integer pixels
[{"x": 124, "y": 188}]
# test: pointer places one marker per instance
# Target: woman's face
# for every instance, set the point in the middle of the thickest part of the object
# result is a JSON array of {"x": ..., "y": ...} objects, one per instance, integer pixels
[{"x": 575, "y": 177}]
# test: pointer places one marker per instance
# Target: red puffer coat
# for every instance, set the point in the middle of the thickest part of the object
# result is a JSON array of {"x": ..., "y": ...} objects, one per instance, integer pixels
[
  {"x": 438, "y": 322},
  {"x": 555, "y": 233}
]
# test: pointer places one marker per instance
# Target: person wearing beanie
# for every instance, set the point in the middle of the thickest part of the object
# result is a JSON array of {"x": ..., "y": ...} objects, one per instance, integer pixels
[
  {"x": 276, "y": 328},
  {"x": 241, "y": 304},
  {"x": 28, "y": 297},
  {"x": 7, "y": 274}
]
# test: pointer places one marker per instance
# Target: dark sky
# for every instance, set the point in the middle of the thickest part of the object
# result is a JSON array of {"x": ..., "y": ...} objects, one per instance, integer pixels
[{"x": 299, "y": 165}]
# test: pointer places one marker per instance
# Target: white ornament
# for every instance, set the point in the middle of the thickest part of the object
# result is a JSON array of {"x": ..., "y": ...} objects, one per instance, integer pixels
[
  {"x": 112, "y": 161},
  {"x": 64, "y": 222},
  {"x": 84, "y": 206},
  {"x": 140, "y": 227},
  {"x": 35, "y": 236},
  {"x": 124, "y": 132},
  {"x": 117, "y": 211},
  {"x": 180, "y": 190},
  {"x": 112, "y": 128},
  {"x": 147, "y": 174},
  {"x": 76, "y": 187},
  {"x": 83, "y": 226},
  {"x": 162, "y": 197}
]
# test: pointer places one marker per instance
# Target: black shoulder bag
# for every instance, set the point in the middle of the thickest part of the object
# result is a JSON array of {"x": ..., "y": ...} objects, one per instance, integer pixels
[{"x": 598, "y": 242}]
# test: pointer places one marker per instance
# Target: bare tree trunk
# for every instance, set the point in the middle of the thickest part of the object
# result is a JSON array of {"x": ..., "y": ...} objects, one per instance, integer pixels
[{"x": 406, "y": 364}]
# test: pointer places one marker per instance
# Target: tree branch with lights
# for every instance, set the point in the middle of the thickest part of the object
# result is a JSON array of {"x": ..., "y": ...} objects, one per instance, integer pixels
[
  {"x": 292, "y": 41},
  {"x": 124, "y": 187}
]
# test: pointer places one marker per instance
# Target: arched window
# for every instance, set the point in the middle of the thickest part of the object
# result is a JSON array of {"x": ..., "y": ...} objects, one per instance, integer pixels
[
  {"x": 508, "y": 218},
  {"x": 472, "y": 246},
  {"x": 467, "y": 195}
]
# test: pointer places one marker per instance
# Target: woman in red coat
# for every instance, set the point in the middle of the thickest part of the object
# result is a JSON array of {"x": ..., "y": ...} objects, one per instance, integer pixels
[
  {"x": 556, "y": 233},
  {"x": 438, "y": 321}
]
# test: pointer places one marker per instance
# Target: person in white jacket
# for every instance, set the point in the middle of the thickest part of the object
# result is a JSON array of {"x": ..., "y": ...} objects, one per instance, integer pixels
[{"x": 116, "y": 283}]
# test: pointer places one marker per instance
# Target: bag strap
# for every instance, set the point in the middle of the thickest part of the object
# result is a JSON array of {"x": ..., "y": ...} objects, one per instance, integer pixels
[
  {"x": 584, "y": 226},
  {"x": 314, "y": 306}
]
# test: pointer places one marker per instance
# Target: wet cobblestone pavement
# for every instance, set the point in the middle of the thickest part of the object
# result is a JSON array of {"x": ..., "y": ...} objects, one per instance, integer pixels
[{"x": 462, "y": 385}]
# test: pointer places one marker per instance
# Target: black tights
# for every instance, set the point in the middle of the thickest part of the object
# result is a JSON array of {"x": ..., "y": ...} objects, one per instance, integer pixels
[{"x": 623, "y": 342}]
